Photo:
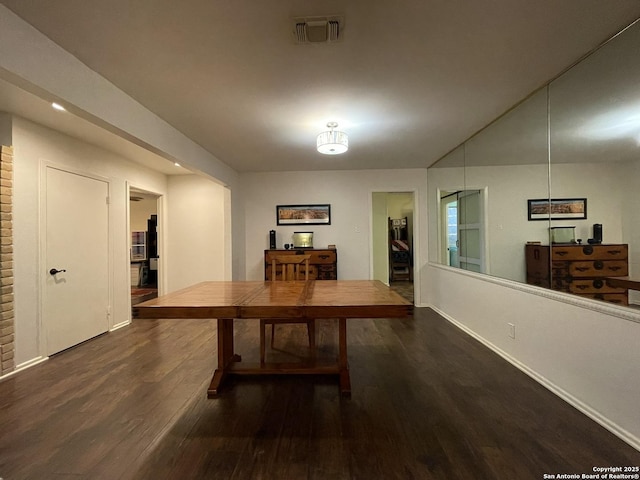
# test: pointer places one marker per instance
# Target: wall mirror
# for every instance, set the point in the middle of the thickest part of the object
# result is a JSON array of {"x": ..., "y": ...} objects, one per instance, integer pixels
[
  {"x": 495, "y": 172},
  {"x": 577, "y": 138}
]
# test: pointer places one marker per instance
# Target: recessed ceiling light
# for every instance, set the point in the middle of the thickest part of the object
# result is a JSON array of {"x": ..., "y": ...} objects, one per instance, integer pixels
[
  {"x": 176, "y": 164},
  {"x": 59, "y": 107}
]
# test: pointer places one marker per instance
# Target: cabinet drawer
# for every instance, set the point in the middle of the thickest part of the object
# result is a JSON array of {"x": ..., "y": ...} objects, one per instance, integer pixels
[
  {"x": 592, "y": 285},
  {"x": 269, "y": 254},
  {"x": 588, "y": 252},
  {"x": 617, "y": 298},
  {"x": 323, "y": 257},
  {"x": 599, "y": 268}
]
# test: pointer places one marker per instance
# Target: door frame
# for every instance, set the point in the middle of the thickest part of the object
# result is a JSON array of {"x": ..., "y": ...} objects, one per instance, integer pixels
[
  {"x": 160, "y": 199},
  {"x": 42, "y": 248},
  {"x": 416, "y": 242}
]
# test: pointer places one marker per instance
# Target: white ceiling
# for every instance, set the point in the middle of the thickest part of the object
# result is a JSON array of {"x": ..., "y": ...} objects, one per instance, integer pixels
[
  {"x": 27, "y": 105},
  {"x": 408, "y": 81}
]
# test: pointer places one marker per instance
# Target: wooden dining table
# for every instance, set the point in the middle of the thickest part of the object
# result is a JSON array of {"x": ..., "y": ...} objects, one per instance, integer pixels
[{"x": 229, "y": 301}]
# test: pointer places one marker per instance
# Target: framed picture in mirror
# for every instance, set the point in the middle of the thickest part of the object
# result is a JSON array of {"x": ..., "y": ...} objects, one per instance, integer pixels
[{"x": 557, "y": 209}]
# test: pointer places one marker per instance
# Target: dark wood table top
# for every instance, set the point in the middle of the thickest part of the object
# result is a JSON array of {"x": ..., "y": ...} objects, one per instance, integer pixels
[{"x": 262, "y": 299}]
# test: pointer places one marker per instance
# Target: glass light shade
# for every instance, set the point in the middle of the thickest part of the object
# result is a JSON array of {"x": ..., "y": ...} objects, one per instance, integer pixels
[{"x": 333, "y": 142}]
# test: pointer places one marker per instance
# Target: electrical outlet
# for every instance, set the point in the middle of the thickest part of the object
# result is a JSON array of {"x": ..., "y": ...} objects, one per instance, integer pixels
[{"x": 512, "y": 330}]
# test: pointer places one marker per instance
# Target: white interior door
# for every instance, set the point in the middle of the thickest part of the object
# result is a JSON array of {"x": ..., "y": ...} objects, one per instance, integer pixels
[
  {"x": 75, "y": 300},
  {"x": 470, "y": 231},
  {"x": 449, "y": 229}
]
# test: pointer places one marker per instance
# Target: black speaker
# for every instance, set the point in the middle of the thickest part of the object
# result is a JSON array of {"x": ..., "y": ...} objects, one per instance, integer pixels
[
  {"x": 272, "y": 239},
  {"x": 597, "y": 233}
]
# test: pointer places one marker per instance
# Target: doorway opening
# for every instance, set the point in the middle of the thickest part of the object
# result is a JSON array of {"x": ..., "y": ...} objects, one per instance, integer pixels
[
  {"x": 392, "y": 238},
  {"x": 143, "y": 234}
]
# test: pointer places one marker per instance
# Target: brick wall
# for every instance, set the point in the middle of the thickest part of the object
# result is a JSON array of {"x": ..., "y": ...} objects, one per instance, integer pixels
[{"x": 7, "y": 343}]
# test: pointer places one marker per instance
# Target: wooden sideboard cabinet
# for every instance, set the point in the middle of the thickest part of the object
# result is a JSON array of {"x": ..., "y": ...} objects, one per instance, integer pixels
[
  {"x": 323, "y": 264},
  {"x": 579, "y": 269}
]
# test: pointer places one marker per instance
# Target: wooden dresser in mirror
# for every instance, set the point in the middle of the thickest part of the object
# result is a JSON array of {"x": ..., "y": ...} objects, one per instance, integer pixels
[{"x": 579, "y": 269}]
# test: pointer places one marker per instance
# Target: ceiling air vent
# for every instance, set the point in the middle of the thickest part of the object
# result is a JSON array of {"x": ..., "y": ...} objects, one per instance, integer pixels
[{"x": 318, "y": 29}]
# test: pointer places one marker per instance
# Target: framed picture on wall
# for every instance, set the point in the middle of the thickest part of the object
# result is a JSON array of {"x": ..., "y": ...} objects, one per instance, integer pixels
[
  {"x": 303, "y": 214},
  {"x": 557, "y": 209}
]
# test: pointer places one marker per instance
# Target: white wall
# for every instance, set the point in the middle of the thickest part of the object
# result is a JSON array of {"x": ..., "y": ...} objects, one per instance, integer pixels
[
  {"x": 380, "y": 237},
  {"x": 34, "y": 144},
  {"x": 195, "y": 232},
  {"x": 348, "y": 192},
  {"x": 509, "y": 188},
  {"x": 588, "y": 357},
  {"x": 600, "y": 184},
  {"x": 140, "y": 211},
  {"x": 194, "y": 224}
]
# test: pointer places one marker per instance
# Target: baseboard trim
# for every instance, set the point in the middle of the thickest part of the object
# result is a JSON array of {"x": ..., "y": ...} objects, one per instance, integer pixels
[
  {"x": 120, "y": 325},
  {"x": 24, "y": 366}
]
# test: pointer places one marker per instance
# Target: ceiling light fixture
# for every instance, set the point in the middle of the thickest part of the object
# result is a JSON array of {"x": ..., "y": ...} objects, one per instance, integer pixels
[
  {"x": 59, "y": 107},
  {"x": 332, "y": 142}
]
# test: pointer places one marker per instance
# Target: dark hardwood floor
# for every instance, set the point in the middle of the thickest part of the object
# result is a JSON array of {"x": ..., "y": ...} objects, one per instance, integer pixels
[
  {"x": 428, "y": 402},
  {"x": 139, "y": 295},
  {"x": 403, "y": 287}
]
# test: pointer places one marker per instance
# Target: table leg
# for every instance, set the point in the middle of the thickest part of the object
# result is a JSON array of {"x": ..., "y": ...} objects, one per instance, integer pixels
[
  {"x": 343, "y": 363},
  {"x": 226, "y": 355}
]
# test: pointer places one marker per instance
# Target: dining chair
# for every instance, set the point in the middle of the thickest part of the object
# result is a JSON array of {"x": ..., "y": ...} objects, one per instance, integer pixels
[{"x": 291, "y": 268}]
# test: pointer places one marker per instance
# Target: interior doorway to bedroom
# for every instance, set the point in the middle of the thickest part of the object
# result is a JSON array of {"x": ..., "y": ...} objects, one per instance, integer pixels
[
  {"x": 392, "y": 240},
  {"x": 143, "y": 230}
]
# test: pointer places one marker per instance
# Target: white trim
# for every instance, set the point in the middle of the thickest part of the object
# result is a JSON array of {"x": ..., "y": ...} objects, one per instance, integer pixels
[
  {"x": 127, "y": 239},
  {"x": 162, "y": 243},
  {"x": 118, "y": 326},
  {"x": 24, "y": 366}
]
